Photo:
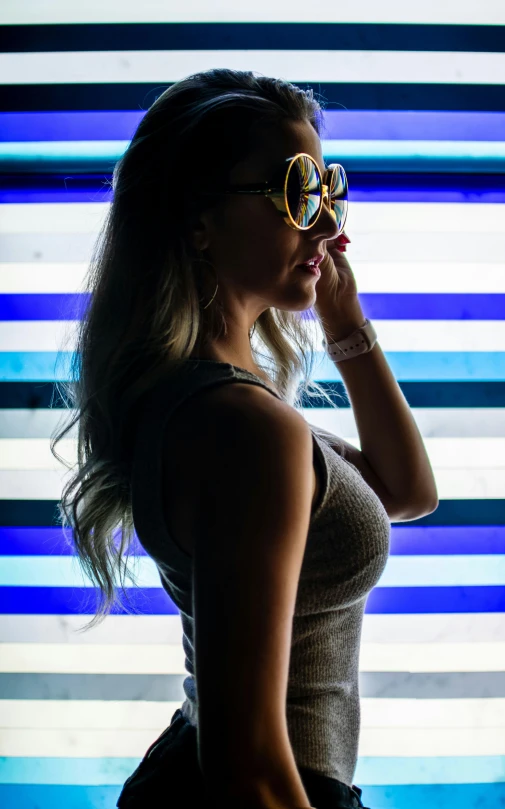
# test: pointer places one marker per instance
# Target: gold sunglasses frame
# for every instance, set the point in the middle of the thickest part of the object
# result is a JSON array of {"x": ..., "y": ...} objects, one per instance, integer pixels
[{"x": 279, "y": 195}]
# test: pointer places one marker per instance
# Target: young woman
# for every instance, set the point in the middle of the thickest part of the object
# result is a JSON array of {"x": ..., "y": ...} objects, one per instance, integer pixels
[{"x": 268, "y": 533}]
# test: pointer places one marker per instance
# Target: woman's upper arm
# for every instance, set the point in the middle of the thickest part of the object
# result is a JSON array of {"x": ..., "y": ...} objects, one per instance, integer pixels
[{"x": 252, "y": 514}]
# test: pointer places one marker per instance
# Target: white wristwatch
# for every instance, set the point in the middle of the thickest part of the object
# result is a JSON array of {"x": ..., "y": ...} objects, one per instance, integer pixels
[{"x": 359, "y": 342}]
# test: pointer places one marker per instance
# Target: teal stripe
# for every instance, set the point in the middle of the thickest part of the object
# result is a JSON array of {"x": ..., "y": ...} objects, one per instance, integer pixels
[
  {"x": 371, "y": 770},
  {"x": 448, "y": 570},
  {"x": 417, "y": 796},
  {"x": 413, "y": 366},
  {"x": 358, "y": 155}
]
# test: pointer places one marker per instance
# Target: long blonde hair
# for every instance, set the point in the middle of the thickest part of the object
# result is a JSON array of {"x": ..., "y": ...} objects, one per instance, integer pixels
[{"x": 145, "y": 313}]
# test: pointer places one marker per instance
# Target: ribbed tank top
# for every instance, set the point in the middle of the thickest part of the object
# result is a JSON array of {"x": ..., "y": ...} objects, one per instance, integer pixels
[{"x": 346, "y": 552}]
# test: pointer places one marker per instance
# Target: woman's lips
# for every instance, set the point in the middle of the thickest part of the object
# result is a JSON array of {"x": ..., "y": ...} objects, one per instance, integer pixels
[{"x": 313, "y": 269}]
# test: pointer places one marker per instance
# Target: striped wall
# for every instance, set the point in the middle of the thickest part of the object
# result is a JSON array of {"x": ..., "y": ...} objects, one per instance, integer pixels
[{"x": 415, "y": 110}]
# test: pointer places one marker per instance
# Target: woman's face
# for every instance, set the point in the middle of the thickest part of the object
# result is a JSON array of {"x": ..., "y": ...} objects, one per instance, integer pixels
[{"x": 254, "y": 252}]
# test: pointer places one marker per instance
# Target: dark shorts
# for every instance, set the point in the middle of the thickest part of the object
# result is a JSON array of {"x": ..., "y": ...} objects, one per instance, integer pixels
[{"x": 170, "y": 770}]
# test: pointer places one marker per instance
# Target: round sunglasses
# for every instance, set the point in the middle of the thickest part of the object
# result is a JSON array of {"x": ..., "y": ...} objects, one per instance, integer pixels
[{"x": 301, "y": 192}]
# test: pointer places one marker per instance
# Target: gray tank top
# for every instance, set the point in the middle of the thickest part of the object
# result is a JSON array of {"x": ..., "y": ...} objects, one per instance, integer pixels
[{"x": 346, "y": 552}]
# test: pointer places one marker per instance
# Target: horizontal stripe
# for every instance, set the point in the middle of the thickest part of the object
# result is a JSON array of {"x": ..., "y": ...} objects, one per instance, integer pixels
[
  {"x": 301, "y": 65},
  {"x": 154, "y": 600},
  {"x": 401, "y": 571},
  {"x": 141, "y": 629},
  {"x": 370, "y": 770},
  {"x": 163, "y": 687},
  {"x": 401, "y": 336},
  {"x": 151, "y": 715},
  {"x": 452, "y": 483},
  {"x": 373, "y": 741},
  {"x": 415, "y": 796},
  {"x": 368, "y": 217},
  {"x": 449, "y": 513},
  {"x": 390, "y": 11},
  {"x": 350, "y": 95},
  {"x": 359, "y": 156},
  {"x": 415, "y": 366},
  {"x": 473, "y": 281},
  {"x": 433, "y": 422},
  {"x": 267, "y": 35},
  {"x": 23, "y": 188},
  {"x": 352, "y": 124},
  {"x": 462, "y": 454},
  {"x": 404, "y": 541},
  {"x": 440, "y": 396},
  {"x": 377, "y": 247},
  {"x": 163, "y": 658},
  {"x": 377, "y": 306}
]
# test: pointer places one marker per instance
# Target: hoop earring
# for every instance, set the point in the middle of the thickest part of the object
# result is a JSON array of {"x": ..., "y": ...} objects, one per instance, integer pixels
[{"x": 217, "y": 284}]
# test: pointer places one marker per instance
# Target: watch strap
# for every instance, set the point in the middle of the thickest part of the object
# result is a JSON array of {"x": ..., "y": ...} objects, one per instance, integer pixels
[{"x": 359, "y": 342}]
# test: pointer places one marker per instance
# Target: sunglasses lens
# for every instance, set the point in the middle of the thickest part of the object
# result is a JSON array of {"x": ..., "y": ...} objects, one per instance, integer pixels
[
  {"x": 338, "y": 192},
  {"x": 303, "y": 191}
]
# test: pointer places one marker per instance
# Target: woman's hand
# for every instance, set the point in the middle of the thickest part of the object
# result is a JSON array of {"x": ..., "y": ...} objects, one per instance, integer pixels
[{"x": 337, "y": 295}]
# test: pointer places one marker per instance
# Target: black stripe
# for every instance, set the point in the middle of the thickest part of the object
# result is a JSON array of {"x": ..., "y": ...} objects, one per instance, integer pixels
[
  {"x": 251, "y": 36},
  {"x": 332, "y": 95},
  {"x": 358, "y": 181},
  {"x": 25, "y": 513},
  {"x": 485, "y": 393}
]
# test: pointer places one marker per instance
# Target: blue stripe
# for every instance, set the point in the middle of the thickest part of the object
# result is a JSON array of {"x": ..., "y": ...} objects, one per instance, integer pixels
[
  {"x": 348, "y": 124},
  {"x": 405, "y": 365},
  {"x": 405, "y": 541},
  {"x": 363, "y": 187},
  {"x": 370, "y": 770},
  {"x": 416, "y": 796},
  {"x": 154, "y": 601},
  {"x": 376, "y": 306},
  {"x": 437, "y": 796}
]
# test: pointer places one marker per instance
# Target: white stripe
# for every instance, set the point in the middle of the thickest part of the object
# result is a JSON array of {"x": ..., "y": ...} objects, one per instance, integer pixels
[
  {"x": 432, "y": 713},
  {"x": 169, "y": 658},
  {"x": 84, "y": 743},
  {"x": 150, "y": 715},
  {"x": 463, "y": 454},
  {"x": 393, "y": 335},
  {"x": 114, "y": 629},
  {"x": 452, "y": 484},
  {"x": 378, "y": 246},
  {"x": 421, "y": 277},
  {"x": 423, "y": 218},
  {"x": 438, "y": 67},
  {"x": 428, "y": 742},
  {"x": 433, "y": 423},
  {"x": 441, "y": 628},
  {"x": 396, "y": 277},
  {"x": 22, "y": 12},
  {"x": 445, "y": 570},
  {"x": 47, "y": 278},
  {"x": 58, "y": 658}
]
